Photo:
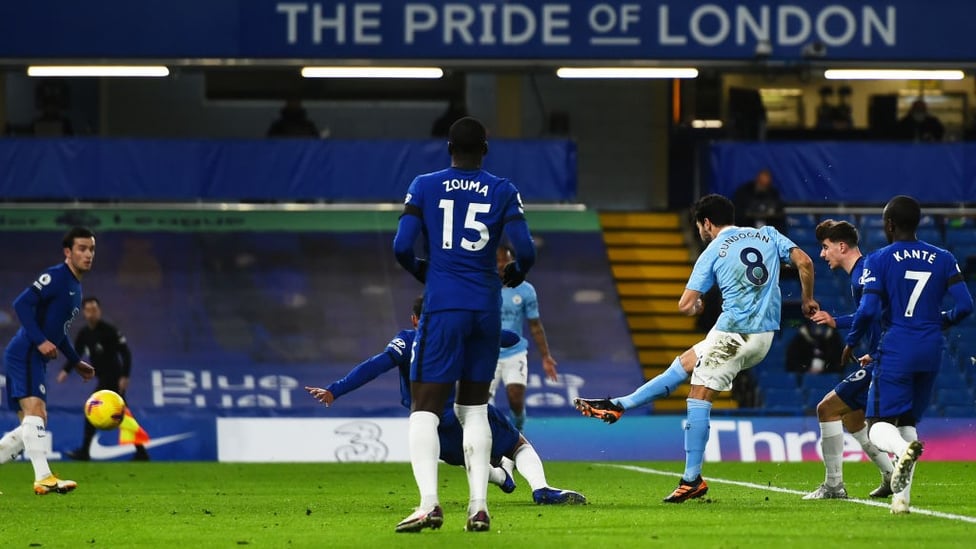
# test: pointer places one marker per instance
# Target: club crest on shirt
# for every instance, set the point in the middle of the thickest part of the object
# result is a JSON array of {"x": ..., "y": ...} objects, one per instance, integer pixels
[
  {"x": 398, "y": 345},
  {"x": 866, "y": 277},
  {"x": 517, "y": 299}
]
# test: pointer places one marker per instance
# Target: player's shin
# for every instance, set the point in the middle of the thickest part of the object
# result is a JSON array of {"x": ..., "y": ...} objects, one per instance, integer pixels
[
  {"x": 34, "y": 435},
  {"x": 696, "y": 437},
  {"x": 425, "y": 449},
  {"x": 878, "y": 456},
  {"x": 887, "y": 438},
  {"x": 477, "y": 453},
  {"x": 529, "y": 465},
  {"x": 11, "y": 444},
  {"x": 832, "y": 447},
  {"x": 660, "y": 386}
]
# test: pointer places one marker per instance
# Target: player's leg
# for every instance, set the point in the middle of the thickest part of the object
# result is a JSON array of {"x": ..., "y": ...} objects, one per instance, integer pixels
[
  {"x": 514, "y": 372},
  {"x": 891, "y": 404},
  {"x": 661, "y": 385},
  {"x": 27, "y": 390},
  {"x": 721, "y": 357},
  {"x": 11, "y": 445},
  {"x": 480, "y": 358},
  {"x": 434, "y": 367},
  {"x": 922, "y": 393},
  {"x": 830, "y": 410},
  {"x": 854, "y": 422}
]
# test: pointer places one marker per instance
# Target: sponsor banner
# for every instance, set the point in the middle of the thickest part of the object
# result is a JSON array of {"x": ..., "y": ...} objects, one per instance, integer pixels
[
  {"x": 173, "y": 437},
  {"x": 748, "y": 439},
  {"x": 312, "y": 440},
  {"x": 487, "y": 29}
]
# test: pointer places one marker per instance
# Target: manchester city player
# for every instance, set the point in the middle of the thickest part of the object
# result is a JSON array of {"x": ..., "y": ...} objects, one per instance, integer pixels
[
  {"x": 744, "y": 263},
  {"x": 508, "y": 447},
  {"x": 520, "y": 305},
  {"x": 461, "y": 212},
  {"x": 45, "y": 310},
  {"x": 843, "y": 407},
  {"x": 910, "y": 277}
]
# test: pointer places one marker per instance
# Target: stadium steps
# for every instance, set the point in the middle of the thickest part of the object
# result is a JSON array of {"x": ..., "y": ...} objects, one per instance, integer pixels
[{"x": 651, "y": 262}]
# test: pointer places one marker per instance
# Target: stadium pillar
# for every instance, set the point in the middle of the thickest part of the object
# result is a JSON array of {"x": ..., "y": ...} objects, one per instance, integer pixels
[{"x": 509, "y": 105}]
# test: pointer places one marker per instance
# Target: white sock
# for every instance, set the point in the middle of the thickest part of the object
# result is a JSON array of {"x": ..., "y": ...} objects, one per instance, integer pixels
[
  {"x": 529, "y": 465},
  {"x": 880, "y": 458},
  {"x": 910, "y": 434},
  {"x": 886, "y": 437},
  {"x": 11, "y": 444},
  {"x": 832, "y": 446},
  {"x": 477, "y": 453},
  {"x": 34, "y": 434},
  {"x": 497, "y": 476},
  {"x": 425, "y": 451}
]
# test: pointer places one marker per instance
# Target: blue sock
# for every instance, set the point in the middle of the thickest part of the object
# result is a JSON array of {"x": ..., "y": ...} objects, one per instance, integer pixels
[
  {"x": 661, "y": 386},
  {"x": 696, "y": 437}
]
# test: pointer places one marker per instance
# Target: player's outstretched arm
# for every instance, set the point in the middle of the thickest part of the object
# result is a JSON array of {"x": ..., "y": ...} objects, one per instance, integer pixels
[
  {"x": 963, "y": 302},
  {"x": 539, "y": 336},
  {"x": 363, "y": 373},
  {"x": 85, "y": 370},
  {"x": 804, "y": 265},
  {"x": 408, "y": 230}
]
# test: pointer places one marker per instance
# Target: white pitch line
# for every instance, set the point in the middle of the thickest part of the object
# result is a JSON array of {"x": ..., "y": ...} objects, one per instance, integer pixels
[{"x": 914, "y": 510}]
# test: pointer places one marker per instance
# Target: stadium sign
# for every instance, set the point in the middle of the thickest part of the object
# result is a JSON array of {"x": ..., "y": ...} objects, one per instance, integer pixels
[{"x": 558, "y": 30}]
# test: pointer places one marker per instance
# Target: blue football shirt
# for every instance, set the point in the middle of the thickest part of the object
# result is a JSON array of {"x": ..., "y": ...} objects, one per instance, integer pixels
[
  {"x": 463, "y": 213},
  {"x": 873, "y": 334},
  {"x": 45, "y": 310},
  {"x": 744, "y": 262}
]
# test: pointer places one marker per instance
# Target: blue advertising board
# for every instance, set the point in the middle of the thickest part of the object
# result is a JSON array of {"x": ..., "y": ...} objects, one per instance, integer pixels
[{"x": 486, "y": 29}]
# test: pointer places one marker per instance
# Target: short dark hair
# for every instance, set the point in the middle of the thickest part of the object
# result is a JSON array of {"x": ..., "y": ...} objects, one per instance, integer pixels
[
  {"x": 76, "y": 232},
  {"x": 90, "y": 299},
  {"x": 467, "y": 136},
  {"x": 904, "y": 212},
  {"x": 837, "y": 231},
  {"x": 418, "y": 305},
  {"x": 716, "y": 208}
]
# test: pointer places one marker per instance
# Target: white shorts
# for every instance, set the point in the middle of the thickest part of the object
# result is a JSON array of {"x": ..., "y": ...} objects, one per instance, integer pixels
[
  {"x": 511, "y": 370},
  {"x": 722, "y": 355}
]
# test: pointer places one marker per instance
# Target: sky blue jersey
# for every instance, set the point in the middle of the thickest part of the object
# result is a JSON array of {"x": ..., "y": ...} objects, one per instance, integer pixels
[
  {"x": 518, "y": 305},
  {"x": 463, "y": 213},
  {"x": 45, "y": 310},
  {"x": 744, "y": 262}
]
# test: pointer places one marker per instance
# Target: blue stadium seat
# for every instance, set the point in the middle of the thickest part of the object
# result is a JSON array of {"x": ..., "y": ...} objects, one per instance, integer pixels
[
  {"x": 783, "y": 401},
  {"x": 960, "y": 237},
  {"x": 932, "y": 235},
  {"x": 958, "y": 411},
  {"x": 819, "y": 384},
  {"x": 954, "y": 397},
  {"x": 872, "y": 221},
  {"x": 776, "y": 380},
  {"x": 928, "y": 221},
  {"x": 804, "y": 237},
  {"x": 808, "y": 221}
]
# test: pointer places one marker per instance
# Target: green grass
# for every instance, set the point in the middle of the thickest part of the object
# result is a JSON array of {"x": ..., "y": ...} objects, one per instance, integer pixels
[{"x": 199, "y": 505}]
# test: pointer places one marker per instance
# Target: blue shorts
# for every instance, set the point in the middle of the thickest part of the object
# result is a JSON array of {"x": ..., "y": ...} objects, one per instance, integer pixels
[
  {"x": 456, "y": 346},
  {"x": 504, "y": 437},
  {"x": 853, "y": 389},
  {"x": 26, "y": 371},
  {"x": 898, "y": 390}
]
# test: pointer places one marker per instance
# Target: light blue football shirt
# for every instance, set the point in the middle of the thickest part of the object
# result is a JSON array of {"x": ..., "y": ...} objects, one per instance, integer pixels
[
  {"x": 518, "y": 305},
  {"x": 744, "y": 262}
]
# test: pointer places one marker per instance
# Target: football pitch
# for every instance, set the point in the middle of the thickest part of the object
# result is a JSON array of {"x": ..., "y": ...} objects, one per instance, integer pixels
[{"x": 200, "y": 505}]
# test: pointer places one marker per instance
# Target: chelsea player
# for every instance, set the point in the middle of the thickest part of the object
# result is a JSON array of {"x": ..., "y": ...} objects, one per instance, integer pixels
[
  {"x": 461, "y": 212},
  {"x": 508, "y": 447},
  {"x": 843, "y": 407},
  {"x": 45, "y": 310},
  {"x": 744, "y": 263},
  {"x": 910, "y": 277}
]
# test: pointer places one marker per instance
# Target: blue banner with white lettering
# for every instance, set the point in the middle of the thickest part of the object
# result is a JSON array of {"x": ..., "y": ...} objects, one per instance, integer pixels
[
  {"x": 277, "y": 170},
  {"x": 850, "y": 172},
  {"x": 485, "y": 29}
]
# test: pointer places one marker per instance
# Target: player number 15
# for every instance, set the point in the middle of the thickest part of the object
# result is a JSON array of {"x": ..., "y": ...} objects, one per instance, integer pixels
[{"x": 470, "y": 222}]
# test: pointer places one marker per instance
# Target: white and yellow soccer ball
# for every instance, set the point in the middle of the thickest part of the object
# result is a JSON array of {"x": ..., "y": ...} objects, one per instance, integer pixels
[{"x": 105, "y": 409}]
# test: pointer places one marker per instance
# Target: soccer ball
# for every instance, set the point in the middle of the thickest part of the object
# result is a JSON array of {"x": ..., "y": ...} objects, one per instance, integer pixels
[{"x": 104, "y": 409}]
